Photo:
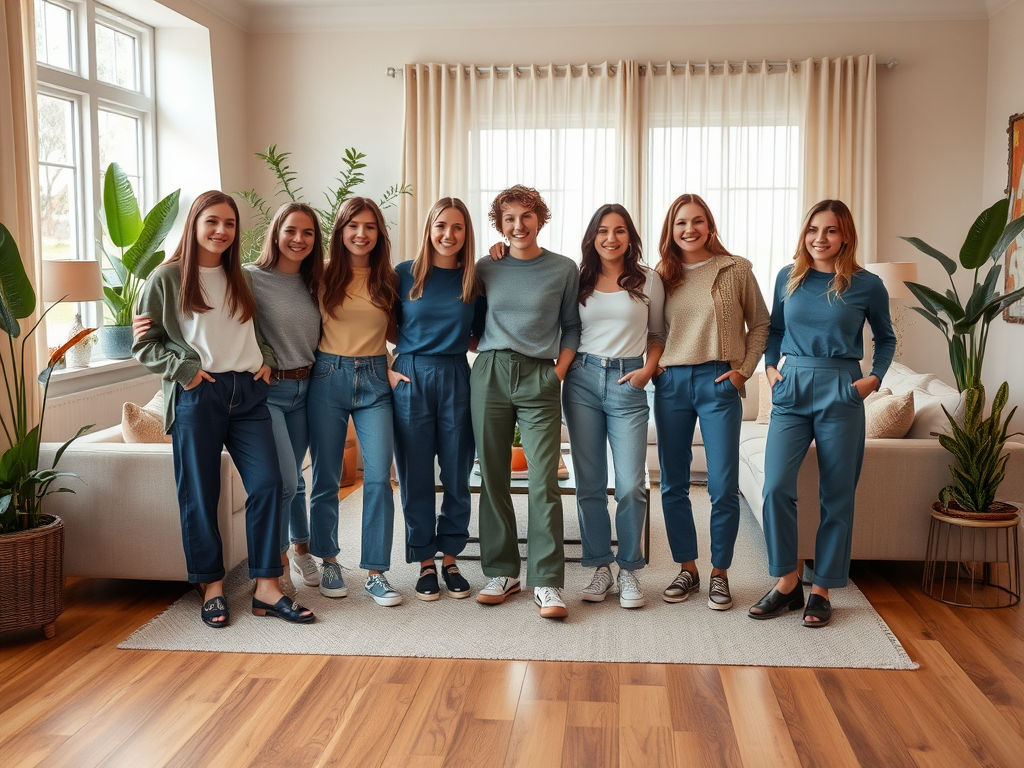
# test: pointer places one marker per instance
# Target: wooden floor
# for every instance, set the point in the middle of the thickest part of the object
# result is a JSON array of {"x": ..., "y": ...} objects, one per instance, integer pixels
[{"x": 77, "y": 701}]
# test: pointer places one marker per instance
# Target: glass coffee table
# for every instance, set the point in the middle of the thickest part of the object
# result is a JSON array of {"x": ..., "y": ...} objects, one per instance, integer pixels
[{"x": 566, "y": 487}]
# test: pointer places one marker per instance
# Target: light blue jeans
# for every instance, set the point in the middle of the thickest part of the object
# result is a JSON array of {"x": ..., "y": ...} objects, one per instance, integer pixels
[
  {"x": 358, "y": 387},
  {"x": 600, "y": 412},
  {"x": 286, "y": 401}
]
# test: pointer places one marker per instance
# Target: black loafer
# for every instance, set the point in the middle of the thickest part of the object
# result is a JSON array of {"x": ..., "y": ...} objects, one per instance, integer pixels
[
  {"x": 283, "y": 609},
  {"x": 427, "y": 588},
  {"x": 214, "y": 608},
  {"x": 455, "y": 582},
  {"x": 819, "y": 608},
  {"x": 776, "y": 602}
]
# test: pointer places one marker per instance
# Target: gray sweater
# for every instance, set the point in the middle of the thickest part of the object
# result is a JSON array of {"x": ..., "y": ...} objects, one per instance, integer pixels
[
  {"x": 289, "y": 318},
  {"x": 532, "y": 304}
]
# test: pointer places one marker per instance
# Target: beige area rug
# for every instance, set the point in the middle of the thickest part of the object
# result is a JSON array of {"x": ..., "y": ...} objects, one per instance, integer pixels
[{"x": 685, "y": 633}]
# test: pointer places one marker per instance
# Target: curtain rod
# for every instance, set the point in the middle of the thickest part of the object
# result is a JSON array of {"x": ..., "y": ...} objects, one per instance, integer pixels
[{"x": 562, "y": 69}]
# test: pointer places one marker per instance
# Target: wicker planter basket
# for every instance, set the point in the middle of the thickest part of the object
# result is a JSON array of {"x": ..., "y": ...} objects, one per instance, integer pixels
[
  {"x": 997, "y": 511},
  {"x": 32, "y": 577}
]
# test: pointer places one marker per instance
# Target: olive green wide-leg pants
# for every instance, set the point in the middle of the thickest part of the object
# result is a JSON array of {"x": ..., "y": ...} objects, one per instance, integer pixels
[{"x": 505, "y": 388}]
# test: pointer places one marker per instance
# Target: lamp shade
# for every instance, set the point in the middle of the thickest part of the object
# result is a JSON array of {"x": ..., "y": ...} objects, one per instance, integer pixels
[
  {"x": 893, "y": 274},
  {"x": 71, "y": 280}
]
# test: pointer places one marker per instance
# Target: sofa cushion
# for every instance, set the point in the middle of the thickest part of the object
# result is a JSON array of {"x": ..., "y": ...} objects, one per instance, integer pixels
[
  {"x": 928, "y": 415},
  {"x": 144, "y": 423},
  {"x": 887, "y": 415},
  {"x": 764, "y": 398}
]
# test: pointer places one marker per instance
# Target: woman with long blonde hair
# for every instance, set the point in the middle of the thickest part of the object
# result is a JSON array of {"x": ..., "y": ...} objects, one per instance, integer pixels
[
  {"x": 821, "y": 304},
  {"x": 438, "y": 315},
  {"x": 717, "y": 328}
]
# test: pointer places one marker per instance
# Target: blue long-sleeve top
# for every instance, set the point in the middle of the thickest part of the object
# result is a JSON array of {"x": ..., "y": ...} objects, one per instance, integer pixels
[
  {"x": 812, "y": 323},
  {"x": 439, "y": 322}
]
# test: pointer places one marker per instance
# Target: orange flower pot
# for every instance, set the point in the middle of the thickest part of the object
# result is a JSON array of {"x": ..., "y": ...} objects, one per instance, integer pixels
[{"x": 518, "y": 459}]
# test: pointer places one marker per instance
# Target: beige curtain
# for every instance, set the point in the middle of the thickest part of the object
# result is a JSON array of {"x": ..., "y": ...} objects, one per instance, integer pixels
[
  {"x": 729, "y": 132},
  {"x": 18, "y": 167},
  {"x": 473, "y": 131},
  {"x": 840, "y": 144}
]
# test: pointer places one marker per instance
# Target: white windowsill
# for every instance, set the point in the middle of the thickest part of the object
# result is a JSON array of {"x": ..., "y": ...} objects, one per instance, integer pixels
[{"x": 99, "y": 373}]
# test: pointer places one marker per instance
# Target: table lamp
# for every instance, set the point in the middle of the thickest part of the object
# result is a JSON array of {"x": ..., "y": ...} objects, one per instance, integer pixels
[
  {"x": 894, "y": 274},
  {"x": 74, "y": 280}
]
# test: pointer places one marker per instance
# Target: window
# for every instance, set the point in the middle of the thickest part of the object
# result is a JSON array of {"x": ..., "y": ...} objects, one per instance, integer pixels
[{"x": 95, "y": 106}]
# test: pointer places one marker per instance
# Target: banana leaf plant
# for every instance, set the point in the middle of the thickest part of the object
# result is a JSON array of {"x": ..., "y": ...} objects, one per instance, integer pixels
[
  {"x": 966, "y": 326},
  {"x": 977, "y": 447},
  {"x": 137, "y": 239},
  {"x": 22, "y": 483}
]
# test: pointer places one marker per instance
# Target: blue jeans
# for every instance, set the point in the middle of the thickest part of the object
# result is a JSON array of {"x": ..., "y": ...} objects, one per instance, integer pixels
[
  {"x": 683, "y": 394},
  {"x": 358, "y": 387},
  {"x": 287, "y": 403},
  {"x": 815, "y": 400},
  {"x": 228, "y": 412},
  {"x": 600, "y": 411},
  {"x": 432, "y": 418}
]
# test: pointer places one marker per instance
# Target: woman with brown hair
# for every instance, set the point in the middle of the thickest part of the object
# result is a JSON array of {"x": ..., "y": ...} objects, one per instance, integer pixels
[
  {"x": 350, "y": 377},
  {"x": 821, "y": 304},
  {"x": 717, "y": 328}
]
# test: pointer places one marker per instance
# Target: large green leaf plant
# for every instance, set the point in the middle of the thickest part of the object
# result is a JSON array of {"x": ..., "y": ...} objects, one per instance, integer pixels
[
  {"x": 350, "y": 177},
  {"x": 22, "y": 483},
  {"x": 138, "y": 239},
  {"x": 966, "y": 326}
]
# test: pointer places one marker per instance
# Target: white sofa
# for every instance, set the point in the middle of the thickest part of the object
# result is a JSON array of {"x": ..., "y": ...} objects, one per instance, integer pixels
[
  {"x": 122, "y": 521},
  {"x": 899, "y": 480}
]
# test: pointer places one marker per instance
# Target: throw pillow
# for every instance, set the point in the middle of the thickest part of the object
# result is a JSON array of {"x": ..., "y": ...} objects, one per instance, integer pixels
[
  {"x": 144, "y": 423},
  {"x": 928, "y": 415},
  {"x": 887, "y": 415},
  {"x": 764, "y": 399}
]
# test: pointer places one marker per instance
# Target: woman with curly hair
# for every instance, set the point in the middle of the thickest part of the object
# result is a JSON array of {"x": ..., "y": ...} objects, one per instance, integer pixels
[
  {"x": 822, "y": 301},
  {"x": 531, "y": 332},
  {"x": 717, "y": 325},
  {"x": 351, "y": 378}
]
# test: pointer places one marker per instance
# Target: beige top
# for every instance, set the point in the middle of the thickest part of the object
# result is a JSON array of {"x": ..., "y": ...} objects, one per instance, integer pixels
[
  {"x": 741, "y": 320},
  {"x": 356, "y": 328}
]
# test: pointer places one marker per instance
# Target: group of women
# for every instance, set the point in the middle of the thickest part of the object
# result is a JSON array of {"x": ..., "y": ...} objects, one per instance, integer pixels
[{"x": 277, "y": 357}]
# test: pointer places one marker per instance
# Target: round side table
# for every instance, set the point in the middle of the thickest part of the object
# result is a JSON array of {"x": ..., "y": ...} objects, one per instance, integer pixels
[{"x": 972, "y": 563}]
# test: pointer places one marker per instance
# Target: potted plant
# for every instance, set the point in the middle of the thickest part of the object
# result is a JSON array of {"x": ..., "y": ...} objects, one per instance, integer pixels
[
  {"x": 966, "y": 326},
  {"x": 518, "y": 454},
  {"x": 138, "y": 240},
  {"x": 977, "y": 447},
  {"x": 31, "y": 542}
]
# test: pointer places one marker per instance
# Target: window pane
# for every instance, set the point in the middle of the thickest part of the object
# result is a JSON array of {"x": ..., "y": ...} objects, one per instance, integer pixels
[
  {"x": 58, "y": 212},
  {"x": 119, "y": 143},
  {"x": 54, "y": 27},
  {"x": 116, "y": 58},
  {"x": 56, "y": 130}
]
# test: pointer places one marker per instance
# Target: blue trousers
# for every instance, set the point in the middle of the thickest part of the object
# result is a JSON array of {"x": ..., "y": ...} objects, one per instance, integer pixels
[
  {"x": 432, "y": 418},
  {"x": 683, "y": 394},
  {"x": 358, "y": 387},
  {"x": 229, "y": 412},
  {"x": 287, "y": 403},
  {"x": 599, "y": 411},
  {"x": 815, "y": 400}
]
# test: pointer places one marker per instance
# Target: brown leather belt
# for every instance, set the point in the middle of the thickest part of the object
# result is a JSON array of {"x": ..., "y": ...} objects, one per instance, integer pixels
[{"x": 295, "y": 374}]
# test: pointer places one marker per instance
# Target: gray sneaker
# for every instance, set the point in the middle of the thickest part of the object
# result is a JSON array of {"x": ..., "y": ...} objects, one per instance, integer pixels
[
  {"x": 382, "y": 593},
  {"x": 630, "y": 595},
  {"x": 719, "y": 596},
  {"x": 332, "y": 583},
  {"x": 599, "y": 586},
  {"x": 304, "y": 566},
  {"x": 682, "y": 587}
]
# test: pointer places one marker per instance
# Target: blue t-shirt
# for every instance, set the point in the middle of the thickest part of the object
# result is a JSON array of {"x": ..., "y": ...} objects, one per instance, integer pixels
[
  {"x": 438, "y": 322},
  {"x": 814, "y": 323}
]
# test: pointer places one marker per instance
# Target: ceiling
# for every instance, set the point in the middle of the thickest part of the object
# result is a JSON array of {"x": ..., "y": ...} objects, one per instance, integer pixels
[{"x": 308, "y": 15}]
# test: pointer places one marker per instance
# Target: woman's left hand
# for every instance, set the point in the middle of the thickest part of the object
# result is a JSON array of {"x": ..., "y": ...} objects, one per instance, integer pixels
[
  {"x": 866, "y": 386},
  {"x": 263, "y": 373},
  {"x": 637, "y": 378},
  {"x": 395, "y": 378},
  {"x": 737, "y": 378},
  {"x": 497, "y": 251}
]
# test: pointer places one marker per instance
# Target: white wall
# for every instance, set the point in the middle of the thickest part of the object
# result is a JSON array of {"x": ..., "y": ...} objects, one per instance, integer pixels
[
  {"x": 1004, "y": 359},
  {"x": 316, "y": 93}
]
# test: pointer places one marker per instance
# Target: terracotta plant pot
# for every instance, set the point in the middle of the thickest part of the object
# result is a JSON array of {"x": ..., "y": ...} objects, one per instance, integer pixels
[
  {"x": 32, "y": 577},
  {"x": 518, "y": 459}
]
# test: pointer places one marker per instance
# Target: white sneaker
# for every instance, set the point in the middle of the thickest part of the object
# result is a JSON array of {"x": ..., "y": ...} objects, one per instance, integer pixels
[
  {"x": 630, "y": 595},
  {"x": 305, "y": 567},
  {"x": 497, "y": 589},
  {"x": 549, "y": 600},
  {"x": 599, "y": 586}
]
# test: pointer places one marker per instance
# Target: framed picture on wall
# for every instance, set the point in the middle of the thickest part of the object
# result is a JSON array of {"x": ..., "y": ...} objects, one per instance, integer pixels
[{"x": 1014, "y": 269}]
